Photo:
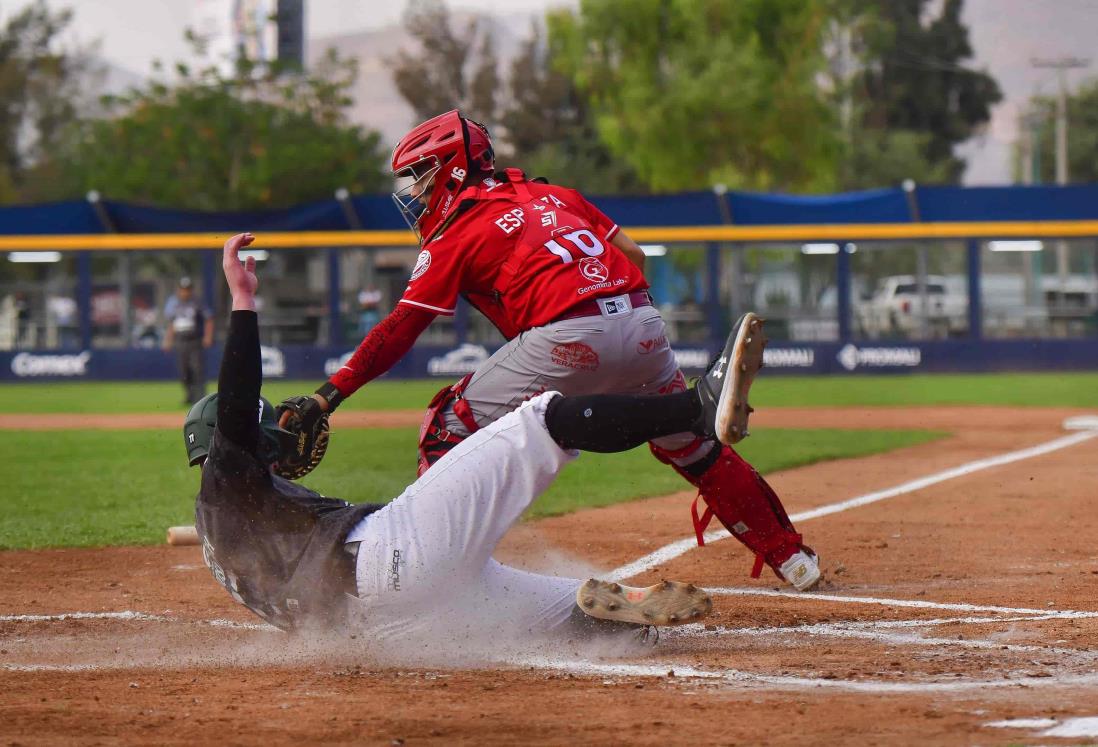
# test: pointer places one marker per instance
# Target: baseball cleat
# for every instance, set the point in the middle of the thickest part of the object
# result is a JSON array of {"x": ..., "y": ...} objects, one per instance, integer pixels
[
  {"x": 724, "y": 386},
  {"x": 802, "y": 570},
  {"x": 665, "y": 603}
]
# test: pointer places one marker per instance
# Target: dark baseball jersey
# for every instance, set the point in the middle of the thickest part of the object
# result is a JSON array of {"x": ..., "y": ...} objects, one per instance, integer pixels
[
  {"x": 523, "y": 253},
  {"x": 275, "y": 545}
]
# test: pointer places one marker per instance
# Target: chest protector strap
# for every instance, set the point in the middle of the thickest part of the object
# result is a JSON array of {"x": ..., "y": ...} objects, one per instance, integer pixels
[
  {"x": 520, "y": 251},
  {"x": 515, "y": 260}
]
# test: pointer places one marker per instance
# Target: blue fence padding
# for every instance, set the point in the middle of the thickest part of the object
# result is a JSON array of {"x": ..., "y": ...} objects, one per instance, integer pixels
[
  {"x": 1071, "y": 202},
  {"x": 871, "y": 206},
  {"x": 378, "y": 213},
  {"x": 324, "y": 215},
  {"x": 683, "y": 209},
  {"x": 49, "y": 218},
  {"x": 316, "y": 364}
]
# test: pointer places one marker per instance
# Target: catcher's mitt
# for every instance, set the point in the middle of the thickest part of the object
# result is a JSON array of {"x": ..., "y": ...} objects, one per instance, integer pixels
[{"x": 308, "y": 426}]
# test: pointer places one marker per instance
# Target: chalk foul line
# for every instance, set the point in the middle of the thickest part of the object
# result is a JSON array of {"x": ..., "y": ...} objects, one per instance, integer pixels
[
  {"x": 857, "y": 632},
  {"x": 751, "y": 679},
  {"x": 133, "y": 615},
  {"x": 675, "y": 549},
  {"x": 887, "y": 602}
]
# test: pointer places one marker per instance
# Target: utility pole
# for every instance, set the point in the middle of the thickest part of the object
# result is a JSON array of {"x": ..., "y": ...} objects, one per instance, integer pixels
[
  {"x": 1061, "y": 66},
  {"x": 1030, "y": 124}
]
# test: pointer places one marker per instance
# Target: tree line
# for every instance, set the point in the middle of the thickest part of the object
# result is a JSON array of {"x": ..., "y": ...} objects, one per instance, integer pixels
[{"x": 638, "y": 97}]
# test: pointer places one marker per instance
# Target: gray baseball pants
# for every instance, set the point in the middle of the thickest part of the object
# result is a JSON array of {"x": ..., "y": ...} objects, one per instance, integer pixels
[{"x": 618, "y": 353}]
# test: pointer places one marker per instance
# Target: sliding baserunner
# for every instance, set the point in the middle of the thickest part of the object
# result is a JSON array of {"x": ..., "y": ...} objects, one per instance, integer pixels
[{"x": 301, "y": 560}]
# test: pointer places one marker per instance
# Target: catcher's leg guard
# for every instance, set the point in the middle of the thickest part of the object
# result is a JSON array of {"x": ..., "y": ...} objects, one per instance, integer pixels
[
  {"x": 435, "y": 440},
  {"x": 741, "y": 500}
]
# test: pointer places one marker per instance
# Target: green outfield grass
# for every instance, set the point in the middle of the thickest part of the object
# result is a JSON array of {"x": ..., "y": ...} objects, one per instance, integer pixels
[
  {"x": 1044, "y": 389},
  {"x": 83, "y": 488},
  {"x": 89, "y": 488}
]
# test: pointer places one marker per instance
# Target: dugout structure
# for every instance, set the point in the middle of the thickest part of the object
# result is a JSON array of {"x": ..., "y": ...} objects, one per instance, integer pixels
[{"x": 904, "y": 279}]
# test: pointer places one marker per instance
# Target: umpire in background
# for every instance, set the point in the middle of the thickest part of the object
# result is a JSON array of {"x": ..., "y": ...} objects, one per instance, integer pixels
[{"x": 190, "y": 332}]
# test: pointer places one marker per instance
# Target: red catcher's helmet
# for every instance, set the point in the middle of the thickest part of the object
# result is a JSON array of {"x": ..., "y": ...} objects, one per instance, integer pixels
[{"x": 432, "y": 164}]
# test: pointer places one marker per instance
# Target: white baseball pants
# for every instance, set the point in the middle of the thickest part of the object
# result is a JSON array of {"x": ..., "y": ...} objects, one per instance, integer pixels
[{"x": 425, "y": 561}]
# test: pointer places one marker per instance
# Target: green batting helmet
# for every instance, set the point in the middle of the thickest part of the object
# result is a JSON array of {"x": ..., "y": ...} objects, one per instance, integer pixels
[{"x": 199, "y": 426}]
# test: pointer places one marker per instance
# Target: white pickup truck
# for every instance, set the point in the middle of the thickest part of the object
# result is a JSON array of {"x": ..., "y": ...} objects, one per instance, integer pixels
[{"x": 896, "y": 309}]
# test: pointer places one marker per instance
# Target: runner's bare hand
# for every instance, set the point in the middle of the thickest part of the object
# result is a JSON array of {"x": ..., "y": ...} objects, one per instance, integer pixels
[{"x": 241, "y": 277}]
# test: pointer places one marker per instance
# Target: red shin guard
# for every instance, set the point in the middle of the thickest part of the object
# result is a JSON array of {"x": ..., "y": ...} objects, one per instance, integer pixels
[{"x": 743, "y": 502}]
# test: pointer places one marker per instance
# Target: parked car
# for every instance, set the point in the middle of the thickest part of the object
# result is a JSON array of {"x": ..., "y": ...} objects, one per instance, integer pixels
[{"x": 896, "y": 309}]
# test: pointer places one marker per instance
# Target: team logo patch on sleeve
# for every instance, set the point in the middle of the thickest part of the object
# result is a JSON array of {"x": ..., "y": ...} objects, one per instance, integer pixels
[{"x": 423, "y": 263}]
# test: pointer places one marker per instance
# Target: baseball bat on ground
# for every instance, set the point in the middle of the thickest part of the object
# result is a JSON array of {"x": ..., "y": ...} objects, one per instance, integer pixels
[{"x": 183, "y": 536}]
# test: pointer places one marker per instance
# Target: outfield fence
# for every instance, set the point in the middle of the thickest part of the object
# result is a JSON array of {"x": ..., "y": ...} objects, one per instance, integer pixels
[{"x": 885, "y": 290}]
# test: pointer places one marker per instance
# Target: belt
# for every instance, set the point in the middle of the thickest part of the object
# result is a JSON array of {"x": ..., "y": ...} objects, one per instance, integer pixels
[{"x": 591, "y": 306}]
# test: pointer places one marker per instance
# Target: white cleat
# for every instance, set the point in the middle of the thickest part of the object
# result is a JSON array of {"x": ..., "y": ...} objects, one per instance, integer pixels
[{"x": 802, "y": 570}]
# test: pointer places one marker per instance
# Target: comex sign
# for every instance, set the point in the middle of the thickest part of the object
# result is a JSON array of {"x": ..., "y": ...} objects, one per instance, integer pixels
[
  {"x": 28, "y": 364},
  {"x": 851, "y": 356}
]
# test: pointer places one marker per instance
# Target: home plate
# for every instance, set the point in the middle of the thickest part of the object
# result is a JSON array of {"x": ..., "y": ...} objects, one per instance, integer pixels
[{"x": 1081, "y": 423}]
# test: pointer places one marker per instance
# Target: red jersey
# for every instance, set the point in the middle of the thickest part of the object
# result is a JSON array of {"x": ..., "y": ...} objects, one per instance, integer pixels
[{"x": 524, "y": 254}]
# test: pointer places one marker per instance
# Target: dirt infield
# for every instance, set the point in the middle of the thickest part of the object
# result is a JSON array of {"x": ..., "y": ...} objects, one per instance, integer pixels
[{"x": 959, "y": 593}]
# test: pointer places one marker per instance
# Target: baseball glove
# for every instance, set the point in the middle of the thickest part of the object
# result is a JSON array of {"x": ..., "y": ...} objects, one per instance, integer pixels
[{"x": 308, "y": 425}]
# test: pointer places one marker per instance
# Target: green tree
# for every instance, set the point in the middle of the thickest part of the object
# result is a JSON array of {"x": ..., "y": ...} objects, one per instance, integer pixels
[
  {"x": 447, "y": 69},
  {"x": 39, "y": 86},
  {"x": 549, "y": 129},
  {"x": 883, "y": 158},
  {"x": 695, "y": 92},
  {"x": 256, "y": 138},
  {"x": 914, "y": 96},
  {"x": 1082, "y": 112}
]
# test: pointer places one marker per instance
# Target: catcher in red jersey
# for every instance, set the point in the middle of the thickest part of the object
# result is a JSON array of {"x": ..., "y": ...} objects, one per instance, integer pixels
[{"x": 566, "y": 287}]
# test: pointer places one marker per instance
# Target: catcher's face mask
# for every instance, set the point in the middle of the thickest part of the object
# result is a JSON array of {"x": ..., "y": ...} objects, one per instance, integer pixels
[{"x": 413, "y": 190}]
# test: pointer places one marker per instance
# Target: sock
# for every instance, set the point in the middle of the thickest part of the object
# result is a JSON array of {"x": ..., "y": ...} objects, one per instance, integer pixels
[{"x": 619, "y": 422}]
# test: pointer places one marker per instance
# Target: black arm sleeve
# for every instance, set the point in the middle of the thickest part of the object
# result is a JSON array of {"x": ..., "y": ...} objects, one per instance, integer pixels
[{"x": 240, "y": 381}]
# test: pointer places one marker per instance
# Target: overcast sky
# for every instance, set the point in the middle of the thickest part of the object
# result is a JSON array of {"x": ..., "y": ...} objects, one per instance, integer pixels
[{"x": 135, "y": 32}]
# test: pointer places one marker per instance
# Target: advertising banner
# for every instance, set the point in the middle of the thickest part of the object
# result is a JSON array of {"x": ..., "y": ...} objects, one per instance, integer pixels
[{"x": 315, "y": 363}]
